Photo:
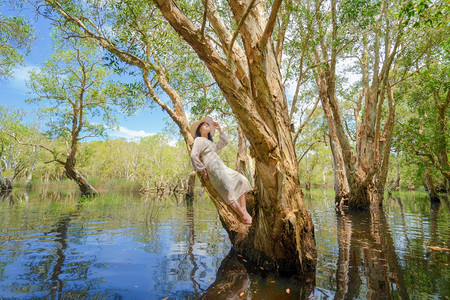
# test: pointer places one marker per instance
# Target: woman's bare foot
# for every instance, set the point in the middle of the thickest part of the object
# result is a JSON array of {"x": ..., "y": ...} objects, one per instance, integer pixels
[
  {"x": 243, "y": 214},
  {"x": 247, "y": 219}
]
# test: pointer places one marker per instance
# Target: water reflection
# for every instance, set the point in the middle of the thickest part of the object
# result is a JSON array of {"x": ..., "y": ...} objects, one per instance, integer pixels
[
  {"x": 231, "y": 280},
  {"x": 235, "y": 279},
  {"x": 191, "y": 241},
  {"x": 367, "y": 256},
  {"x": 53, "y": 246},
  {"x": 60, "y": 246}
]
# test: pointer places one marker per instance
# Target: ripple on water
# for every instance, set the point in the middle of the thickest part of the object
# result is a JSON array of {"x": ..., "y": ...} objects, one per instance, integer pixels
[{"x": 110, "y": 250}]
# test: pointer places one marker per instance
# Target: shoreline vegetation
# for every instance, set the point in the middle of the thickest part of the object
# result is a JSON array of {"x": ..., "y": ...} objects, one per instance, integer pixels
[{"x": 162, "y": 189}]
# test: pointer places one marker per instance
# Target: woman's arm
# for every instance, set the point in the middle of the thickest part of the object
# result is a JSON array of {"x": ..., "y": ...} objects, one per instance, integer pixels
[
  {"x": 195, "y": 156},
  {"x": 223, "y": 140}
]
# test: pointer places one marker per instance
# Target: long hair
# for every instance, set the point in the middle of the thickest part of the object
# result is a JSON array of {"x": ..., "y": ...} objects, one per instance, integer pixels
[{"x": 197, "y": 132}]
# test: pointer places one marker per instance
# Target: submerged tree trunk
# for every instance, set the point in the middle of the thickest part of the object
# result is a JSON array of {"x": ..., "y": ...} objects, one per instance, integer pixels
[
  {"x": 281, "y": 237},
  {"x": 431, "y": 188},
  {"x": 85, "y": 187},
  {"x": 8, "y": 162},
  {"x": 341, "y": 188},
  {"x": 190, "y": 186},
  {"x": 360, "y": 174}
]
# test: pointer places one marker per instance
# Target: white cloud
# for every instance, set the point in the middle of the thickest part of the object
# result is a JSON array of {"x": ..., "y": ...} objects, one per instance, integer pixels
[
  {"x": 21, "y": 74},
  {"x": 129, "y": 134},
  {"x": 172, "y": 143},
  {"x": 135, "y": 135}
]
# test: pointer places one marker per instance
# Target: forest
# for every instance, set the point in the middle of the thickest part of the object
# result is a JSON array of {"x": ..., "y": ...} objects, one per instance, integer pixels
[{"x": 350, "y": 96}]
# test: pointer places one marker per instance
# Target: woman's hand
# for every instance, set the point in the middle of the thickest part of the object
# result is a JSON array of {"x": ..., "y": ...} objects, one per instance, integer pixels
[
  {"x": 216, "y": 126},
  {"x": 205, "y": 174}
]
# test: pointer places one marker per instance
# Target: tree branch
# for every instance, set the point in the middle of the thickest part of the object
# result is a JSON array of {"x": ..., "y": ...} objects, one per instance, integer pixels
[
  {"x": 205, "y": 13},
  {"x": 348, "y": 130},
  {"x": 306, "y": 120},
  {"x": 241, "y": 21},
  {"x": 104, "y": 42},
  {"x": 306, "y": 151},
  {"x": 270, "y": 24},
  {"x": 30, "y": 144}
]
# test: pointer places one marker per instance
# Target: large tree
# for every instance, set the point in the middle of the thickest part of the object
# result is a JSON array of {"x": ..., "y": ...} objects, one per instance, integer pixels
[
  {"x": 248, "y": 73},
  {"x": 74, "y": 85},
  {"x": 251, "y": 81},
  {"x": 380, "y": 44}
]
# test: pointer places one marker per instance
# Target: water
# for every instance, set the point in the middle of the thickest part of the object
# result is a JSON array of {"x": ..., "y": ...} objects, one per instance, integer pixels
[{"x": 125, "y": 246}]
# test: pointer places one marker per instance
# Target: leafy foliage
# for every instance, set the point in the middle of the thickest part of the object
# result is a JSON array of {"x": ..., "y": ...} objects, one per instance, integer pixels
[{"x": 16, "y": 36}]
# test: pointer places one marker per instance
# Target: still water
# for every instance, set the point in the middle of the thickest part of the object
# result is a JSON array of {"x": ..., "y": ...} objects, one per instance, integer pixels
[{"x": 126, "y": 246}]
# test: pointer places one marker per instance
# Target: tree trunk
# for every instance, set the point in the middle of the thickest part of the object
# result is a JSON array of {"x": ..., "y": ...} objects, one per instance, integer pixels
[
  {"x": 365, "y": 169},
  {"x": 190, "y": 187},
  {"x": 308, "y": 175},
  {"x": 396, "y": 186},
  {"x": 242, "y": 158},
  {"x": 431, "y": 188},
  {"x": 86, "y": 189},
  {"x": 281, "y": 237},
  {"x": 341, "y": 188},
  {"x": 33, "y": 165},
  {"x": 341, "y": 185},
  {"x": 6, "y": 184},
  {"x": 442, "y": 107}
]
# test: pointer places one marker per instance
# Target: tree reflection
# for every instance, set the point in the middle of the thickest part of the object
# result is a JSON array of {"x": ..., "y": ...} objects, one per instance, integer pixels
[
  {"x": 191, "y": 241},
  {"x": 61, "y": 245},
  {"x": 231, "y": 279},
  {"x": 235, "y": 279},
  {"x": 50, "y": 262},
  {"x": 367, "y": 253}
]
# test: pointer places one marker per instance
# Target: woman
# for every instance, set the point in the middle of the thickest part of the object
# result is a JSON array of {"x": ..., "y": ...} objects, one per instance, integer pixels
[{"x": 230, "y": 184}]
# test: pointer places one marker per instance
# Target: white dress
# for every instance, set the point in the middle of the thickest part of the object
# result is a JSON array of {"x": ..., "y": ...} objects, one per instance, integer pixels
[{"x": 228, "y": 183}]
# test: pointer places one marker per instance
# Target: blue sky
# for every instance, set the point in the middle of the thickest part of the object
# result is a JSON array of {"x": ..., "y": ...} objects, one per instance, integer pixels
[{"x": 14, "y": 91}]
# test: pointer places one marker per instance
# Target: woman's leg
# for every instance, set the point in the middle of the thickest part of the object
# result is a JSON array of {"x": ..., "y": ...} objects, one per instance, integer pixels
[
  {"x": 243, "y": 200},
  {"x": 241, "y": 210}
]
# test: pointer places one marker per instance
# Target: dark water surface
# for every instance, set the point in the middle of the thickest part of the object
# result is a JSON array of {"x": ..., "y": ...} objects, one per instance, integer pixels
[{"x": 124, "y": 246}]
